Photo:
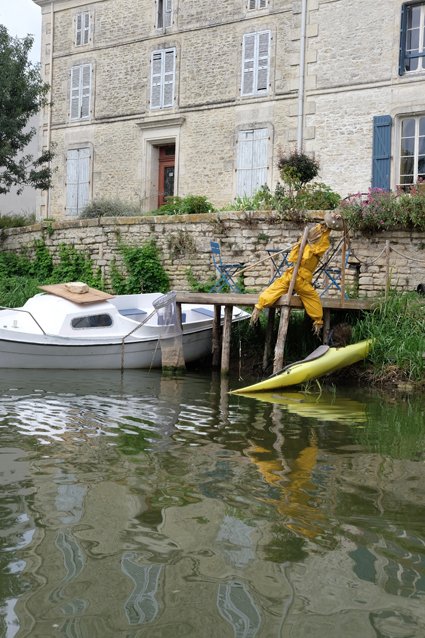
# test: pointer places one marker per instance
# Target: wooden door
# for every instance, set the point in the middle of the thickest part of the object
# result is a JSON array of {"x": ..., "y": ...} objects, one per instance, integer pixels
[{"x": 166, "y": 173}]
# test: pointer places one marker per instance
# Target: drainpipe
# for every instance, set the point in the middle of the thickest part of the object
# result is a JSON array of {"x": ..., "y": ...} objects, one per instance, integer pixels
[
  {"x": 49, "y": 117},
  {"x": 301, "y": 85}
]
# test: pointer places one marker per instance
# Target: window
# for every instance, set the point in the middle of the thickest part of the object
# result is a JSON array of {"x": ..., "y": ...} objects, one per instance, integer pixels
[
  {"x": 412, "y": 41},
  {"x": 162, "y": 80},
  {"x": 252, "y": 161},
  {"x": 164, "y": 13},
  {"x": 257, "y": 4},
  {"x": 82, "y": 28},
  {"x": 412, "y": 150},
  {"x": 92, "y": 321},
  {"x": 80, "y": 92},
  {"x": 77, "y": 180},
  {"x": 255, "y": 56}
]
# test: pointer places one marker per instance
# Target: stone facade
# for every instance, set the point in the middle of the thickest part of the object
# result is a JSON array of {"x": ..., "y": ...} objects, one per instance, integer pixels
[
  {"x": 325, "y": 106},
  {"x": 184, "y": 243}
]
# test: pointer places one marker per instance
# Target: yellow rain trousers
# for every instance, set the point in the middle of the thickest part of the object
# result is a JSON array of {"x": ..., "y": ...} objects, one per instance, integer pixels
[{"x": 313, "y": 251}]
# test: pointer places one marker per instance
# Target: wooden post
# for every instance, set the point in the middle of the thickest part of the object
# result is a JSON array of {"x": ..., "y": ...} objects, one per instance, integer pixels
[
  {"x": 225, "y": 350},
  {"x": 216, "y": 341},
  {"x": 387, "y": 268},
  {"x": 343, "y": 258},
  {"x": 326, "y": 324},
  {"x": 269, "y": 337},
  {"x": 285, "y": 312}
]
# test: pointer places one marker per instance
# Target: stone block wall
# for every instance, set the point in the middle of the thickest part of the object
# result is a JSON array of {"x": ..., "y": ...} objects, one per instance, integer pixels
[{"x": 184, "y": 243}]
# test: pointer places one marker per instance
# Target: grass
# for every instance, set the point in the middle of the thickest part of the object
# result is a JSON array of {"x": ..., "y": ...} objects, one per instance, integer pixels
[{"x": 397, "y": 327}]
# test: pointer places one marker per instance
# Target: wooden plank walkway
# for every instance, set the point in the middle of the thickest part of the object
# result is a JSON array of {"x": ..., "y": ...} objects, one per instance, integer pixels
[{"x": 221, "y": 338}]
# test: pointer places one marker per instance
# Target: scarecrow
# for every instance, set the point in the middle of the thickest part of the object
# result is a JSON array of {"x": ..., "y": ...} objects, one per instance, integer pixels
[{"x": 316, "y": 246}]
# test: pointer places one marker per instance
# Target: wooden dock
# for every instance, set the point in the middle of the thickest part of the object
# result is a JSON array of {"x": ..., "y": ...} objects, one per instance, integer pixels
[{"x": 221, "y": 338}]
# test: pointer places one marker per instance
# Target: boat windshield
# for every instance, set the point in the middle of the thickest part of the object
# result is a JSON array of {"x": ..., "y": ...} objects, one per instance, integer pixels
[{"x": 92, "y": 321}]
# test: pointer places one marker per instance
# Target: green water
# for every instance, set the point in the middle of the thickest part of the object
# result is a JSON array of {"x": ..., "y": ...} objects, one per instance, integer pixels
[{"x": 150, "y": 506}]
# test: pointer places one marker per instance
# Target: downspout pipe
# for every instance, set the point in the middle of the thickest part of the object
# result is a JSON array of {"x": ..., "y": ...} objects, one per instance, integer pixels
[
  {"x": 49, "y": 119},
  {"x": 301, "y": 85}
]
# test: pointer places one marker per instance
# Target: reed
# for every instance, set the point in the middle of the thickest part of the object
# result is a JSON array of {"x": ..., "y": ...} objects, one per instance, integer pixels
[{"x": 397, "y": 327}]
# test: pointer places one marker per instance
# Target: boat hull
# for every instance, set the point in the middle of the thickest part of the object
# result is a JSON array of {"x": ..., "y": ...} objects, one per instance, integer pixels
[
  {"x": 56, "y": 354},
  {"x": 334, "y": 359}
]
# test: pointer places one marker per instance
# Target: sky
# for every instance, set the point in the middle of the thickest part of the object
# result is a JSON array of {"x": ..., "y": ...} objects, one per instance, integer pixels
[{"x": 21, "y": 17}]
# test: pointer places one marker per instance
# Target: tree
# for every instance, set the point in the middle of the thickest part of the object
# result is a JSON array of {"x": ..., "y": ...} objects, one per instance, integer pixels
[{"x": 22, "y": 94}]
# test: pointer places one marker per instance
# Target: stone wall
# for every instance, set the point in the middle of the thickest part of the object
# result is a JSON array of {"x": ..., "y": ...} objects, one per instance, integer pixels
[{"x": 184, "y": 242}]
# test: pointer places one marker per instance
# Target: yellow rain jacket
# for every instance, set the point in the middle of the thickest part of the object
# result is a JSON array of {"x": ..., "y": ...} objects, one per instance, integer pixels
[{"x": 313, "y": 251}]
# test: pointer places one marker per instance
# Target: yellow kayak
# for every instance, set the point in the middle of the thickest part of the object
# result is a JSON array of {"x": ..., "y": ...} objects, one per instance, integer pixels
[
  {"x": 323, "y": 407},
  {"x": 327, "y": 360}
]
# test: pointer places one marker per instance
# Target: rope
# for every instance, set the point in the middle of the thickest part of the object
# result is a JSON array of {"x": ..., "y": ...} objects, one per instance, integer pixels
[{"x": 420, "y": 261}]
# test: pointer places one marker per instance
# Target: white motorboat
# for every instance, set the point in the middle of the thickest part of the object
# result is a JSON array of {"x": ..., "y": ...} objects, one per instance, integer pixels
[{"x": 59, "y": 329}]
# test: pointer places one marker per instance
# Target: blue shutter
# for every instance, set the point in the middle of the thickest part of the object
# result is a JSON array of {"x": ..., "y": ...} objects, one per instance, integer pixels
[
  {"x": 381, "y": 158},
  {"x": 402, "y": 54}
]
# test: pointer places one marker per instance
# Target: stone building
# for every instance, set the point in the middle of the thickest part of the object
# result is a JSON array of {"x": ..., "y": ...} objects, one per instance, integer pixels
[{"x": 159, "y": 97}]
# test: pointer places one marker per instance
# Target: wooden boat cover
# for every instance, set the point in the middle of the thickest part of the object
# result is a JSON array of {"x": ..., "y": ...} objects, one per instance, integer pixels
[{"x": 91, "y": 296}]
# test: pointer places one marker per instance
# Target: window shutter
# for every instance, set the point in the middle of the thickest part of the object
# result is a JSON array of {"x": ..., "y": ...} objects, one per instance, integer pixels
[
  {"x": 403, "y": 30},
  {"x": 252, "y": 161},
  {"x": 169, "y": 71},
  {"x": 263, "y": 61},
  {"x": 85, "y": 90},
  {"x": 381, "y": 154},
  {"x": 86, "y": 33},
  {"x": 83, "y": 178},
  {"x": 75, "y": 93},
  {"x": 78, "y": 29},
  {"x": 72, "y": 182},
  {"x": 156, "y": 80},
  {"x": 252, "y": 4},
  {"x": 248, "y": 57},
  {"x": 262, "y": 4},
  {"x": 167, "y": 12}
]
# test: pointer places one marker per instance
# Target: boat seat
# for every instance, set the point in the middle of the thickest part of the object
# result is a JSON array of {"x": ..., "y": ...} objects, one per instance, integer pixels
[
  {"x": 204, "y": 311},
  {"x": 132, "y": 311}
]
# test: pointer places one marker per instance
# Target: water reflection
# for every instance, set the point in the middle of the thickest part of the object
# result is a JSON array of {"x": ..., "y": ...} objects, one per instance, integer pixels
[{"x": 141, "y": 504}]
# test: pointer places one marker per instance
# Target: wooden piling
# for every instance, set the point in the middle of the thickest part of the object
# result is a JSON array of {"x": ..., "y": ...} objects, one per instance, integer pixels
[
  {"x": 269, "y": 337},
  {"x": 225, "y": 351},
  {"x": 216, "y": 337}
]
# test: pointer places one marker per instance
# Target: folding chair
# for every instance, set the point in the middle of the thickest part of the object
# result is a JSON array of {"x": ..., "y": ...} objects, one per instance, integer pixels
[
  {"x": 328, "y": 275},
  {"x": 225, "y": 272}
]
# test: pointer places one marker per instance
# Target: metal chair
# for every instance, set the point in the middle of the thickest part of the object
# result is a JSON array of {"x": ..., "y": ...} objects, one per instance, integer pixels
[
  {"x": 279, "y": 261},
  {"x": 328, "y": 275},
  {"x": 225, "y": 271}
]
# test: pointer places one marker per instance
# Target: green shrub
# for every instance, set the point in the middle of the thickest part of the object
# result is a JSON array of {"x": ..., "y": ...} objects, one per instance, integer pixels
[
  {"x": 16, "y": 221},
  {"x": 380, "y": 210},
  {"x": 105, "y": 207},
  {"x": 189, "y": 205},
  {"x": 297, "y": 169},
  {"x": 143, "y": 271},
  {"x": 397, "y": 327},
  {"x": 316, "y": 196}
]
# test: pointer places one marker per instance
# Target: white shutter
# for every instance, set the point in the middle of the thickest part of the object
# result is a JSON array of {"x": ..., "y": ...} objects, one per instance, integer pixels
[
  {"x": 78, "y": 29},
  {"x": 263, "y": 61},
  {"x": 257, "y": 4},
  {"x": 86, "y": 27},
  {"x": 85, "y": 90},
  {"x": 251, "y": 161},
  {"x": 168, "y": 7},
  {"x": 72, "y": 182},
  {"x": 77, "y": 180},
  {"x": 156, "y": 80},
  {"x": 83, "y": 178},
  {"x": 163, "y": 78},
  {"x": 259, "y": 158},
  {"x": 169, "y": 73},
  {"x": 248, "y": 56},
  {"x": 75, "y": 93}
]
